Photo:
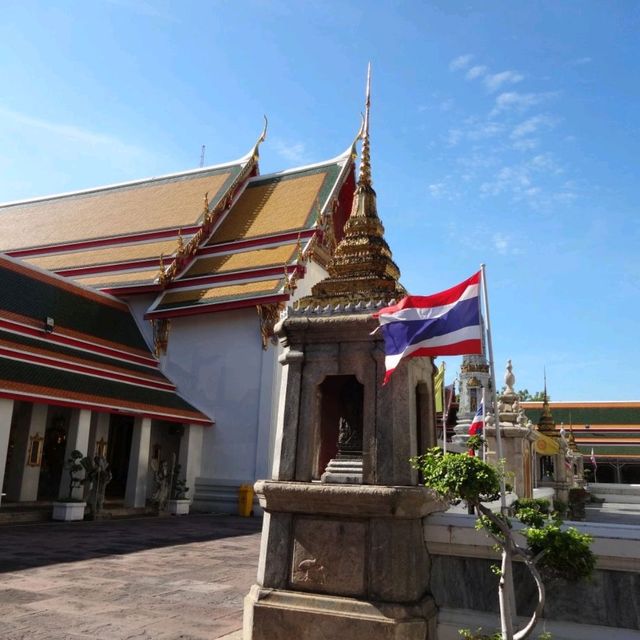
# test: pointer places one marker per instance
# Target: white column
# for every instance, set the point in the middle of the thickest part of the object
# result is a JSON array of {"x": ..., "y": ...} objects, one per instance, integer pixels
[
  {"x": 77, "y": 438},
  {"x": 190, "y": 457},
  {"x": 6, "y": 413},
  {"x": 30, "y": 476},
  {"x": 136, "y": 491}
]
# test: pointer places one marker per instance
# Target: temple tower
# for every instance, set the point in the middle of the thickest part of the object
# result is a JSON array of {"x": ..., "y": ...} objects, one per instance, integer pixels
[
  {"x": 342, "y": 553},
  {"x": 474, "y": 376}
]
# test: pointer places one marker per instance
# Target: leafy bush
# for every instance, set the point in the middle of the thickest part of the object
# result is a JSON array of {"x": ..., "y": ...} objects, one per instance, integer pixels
[
  {"x": 564, "y": 553},
  {"x": 457, "y": 476},
  {"x": 539, "y": 504}
]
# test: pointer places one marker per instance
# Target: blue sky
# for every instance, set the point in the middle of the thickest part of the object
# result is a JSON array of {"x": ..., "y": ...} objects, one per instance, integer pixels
[{"x": 502, "y": 132}]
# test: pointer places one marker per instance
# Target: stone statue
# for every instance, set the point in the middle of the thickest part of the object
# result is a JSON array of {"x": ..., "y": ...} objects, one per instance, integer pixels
[
  {"x": 97, "y": 476},
  {"x": 349, "y": 438},
  {"x": 162, "y": 478}
]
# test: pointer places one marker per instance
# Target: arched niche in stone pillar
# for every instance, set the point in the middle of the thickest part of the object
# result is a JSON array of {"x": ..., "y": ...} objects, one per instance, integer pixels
[{"x": 340, "y": 400}]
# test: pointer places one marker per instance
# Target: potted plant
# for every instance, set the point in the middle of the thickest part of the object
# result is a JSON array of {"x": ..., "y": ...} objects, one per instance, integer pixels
[
  {"x": 72, "y": 506},
  {"x": 178, "y": 504}
]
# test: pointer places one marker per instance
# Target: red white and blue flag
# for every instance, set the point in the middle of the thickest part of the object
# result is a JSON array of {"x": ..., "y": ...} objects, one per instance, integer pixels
[
  {"x": 442, "y": 324},
  {"x": 477, "y": 424}
]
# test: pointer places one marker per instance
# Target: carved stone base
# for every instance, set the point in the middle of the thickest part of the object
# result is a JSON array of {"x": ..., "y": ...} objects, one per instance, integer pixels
[
  {"x": 342, "y": 561},
  {"x": 273, "y": 614}
]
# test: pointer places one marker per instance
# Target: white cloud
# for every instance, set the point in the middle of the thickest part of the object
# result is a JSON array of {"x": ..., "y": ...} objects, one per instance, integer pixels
[
  {"x": 512, "y": 100},
  {"x": 460, "y": 62},
  {"x": 580, "y": 61},
  {"x": 437, "y": 189},
  {"x": 531, "y": 125},
  {"x": 501, "y": 243},
  {"x": 454, "y": 136},
  {"x": 73, "y": 133},
  {"x": 494, "y": 81},
  {"x": 476, "y": 72},
  {"x": 290, "y": 151}
]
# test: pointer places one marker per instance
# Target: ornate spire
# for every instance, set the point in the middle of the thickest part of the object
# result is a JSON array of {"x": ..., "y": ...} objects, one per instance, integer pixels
[
  {"x": 546, "y": 423},
  {"x": 361, "y": 269},
  {"x": 365, "y": 164}
]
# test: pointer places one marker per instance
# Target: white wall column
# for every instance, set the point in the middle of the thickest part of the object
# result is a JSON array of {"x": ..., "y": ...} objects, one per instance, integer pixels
[
  {"x": 6, "y": 413},
  {"x": 136, "y": 490},
  {"x": 77, "y": 438},
  {"x": 190, "y": 457},
  {"x": 30, "y": 475}
]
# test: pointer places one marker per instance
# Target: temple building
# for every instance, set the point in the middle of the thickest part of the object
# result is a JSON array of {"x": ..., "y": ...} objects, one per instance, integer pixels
[
  {"x": 137, "y": 322},
  {"x": 610, "y": 429}
]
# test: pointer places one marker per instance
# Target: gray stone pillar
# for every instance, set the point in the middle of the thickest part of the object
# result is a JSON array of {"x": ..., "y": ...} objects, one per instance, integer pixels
[
  {"x": 77, "y": 438},
  {"x": 30, "y": 475},
  {"x": 6, "y": 413},
  {"x": 190, "y": 456},
  {"x": 136, "y": 490}
]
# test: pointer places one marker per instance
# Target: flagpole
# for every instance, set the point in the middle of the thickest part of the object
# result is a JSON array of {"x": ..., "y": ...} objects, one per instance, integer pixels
[
  {"x": 484, "y": 424},
  {"x": 496, "y": 415},
  {"x": 444, "y": 408}
]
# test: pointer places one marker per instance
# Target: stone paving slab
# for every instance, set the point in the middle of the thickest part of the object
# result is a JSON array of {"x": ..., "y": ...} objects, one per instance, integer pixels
[{"x": 179, "y": 578}]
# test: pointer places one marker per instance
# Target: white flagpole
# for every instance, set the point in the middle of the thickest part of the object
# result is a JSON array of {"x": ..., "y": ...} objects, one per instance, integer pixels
[
  {"x": 496, "y": 416},
  {"x": 484, "y": 424},
  {"x": 444, "y": 408}
]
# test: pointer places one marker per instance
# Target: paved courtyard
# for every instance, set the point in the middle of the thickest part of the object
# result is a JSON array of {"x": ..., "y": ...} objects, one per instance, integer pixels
[{"x": 144, "y": 579}]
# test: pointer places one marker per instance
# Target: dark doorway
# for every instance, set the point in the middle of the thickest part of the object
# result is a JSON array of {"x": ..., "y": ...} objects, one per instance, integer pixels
[
  {"x": 55, "y": 444},
  {"x": 118, "y": 451},
  {"x": 341, "y": 397}
]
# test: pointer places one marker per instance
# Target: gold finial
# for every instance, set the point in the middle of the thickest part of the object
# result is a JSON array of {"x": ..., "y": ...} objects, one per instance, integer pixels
[
  {"x": 299, "y": 255},
  {"x": 162, "y": 277},
  {"x": 180, "y": 243},
  {"x": 206, "y": 203},
  {"x": 365, "y": 164}
]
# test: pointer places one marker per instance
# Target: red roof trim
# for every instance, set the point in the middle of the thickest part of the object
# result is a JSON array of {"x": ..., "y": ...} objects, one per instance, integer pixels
[
  {"x": 78, "y": 343},
  {"x": 232, "y": 276},
  {"x": 55, "y": 362},
  {"x": 110, "y": 266},
  {"x": 68, "y": 247},
  {"x": 215, "y": 307},
  {"x": 103, "y": 407},
  {"x": 279, "y": 238}
]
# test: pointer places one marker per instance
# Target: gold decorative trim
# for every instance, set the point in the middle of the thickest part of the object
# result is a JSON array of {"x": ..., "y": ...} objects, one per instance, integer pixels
[{"x": 269, "y": 315}]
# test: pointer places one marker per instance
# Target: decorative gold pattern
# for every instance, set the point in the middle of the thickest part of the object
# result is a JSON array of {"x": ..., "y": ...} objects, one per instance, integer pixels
[
  {"x": 160, "y": 336},
  {"x": 269, "y": 315}
]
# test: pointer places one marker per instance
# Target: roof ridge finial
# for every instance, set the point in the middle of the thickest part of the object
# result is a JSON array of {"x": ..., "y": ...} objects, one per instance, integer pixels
[{"x": 365, "y": 165}]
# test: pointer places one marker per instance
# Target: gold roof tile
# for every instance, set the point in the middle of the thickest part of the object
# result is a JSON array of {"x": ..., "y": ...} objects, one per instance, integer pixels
[
  {"x": 271, "y": 257},
  {"x": 119, "y": 253},
  {"x": 216, "y": 293},
  {"x": 108, "y": 212},
  {"x": 113, "y": 277},
  {"x": 277, "y": 205}
]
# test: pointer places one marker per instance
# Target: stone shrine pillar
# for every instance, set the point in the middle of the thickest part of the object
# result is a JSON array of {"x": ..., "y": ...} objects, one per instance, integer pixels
[
  {"x": 517, "y": 439},
  {"x": 343, "y": 552}
]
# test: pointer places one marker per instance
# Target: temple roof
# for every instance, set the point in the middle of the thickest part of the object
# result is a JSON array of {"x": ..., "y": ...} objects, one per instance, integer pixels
[
  {"x": 113, "y": 236},
  {"x": 258, "y": 248},
  {"x": 612, "y": 429},
  {"x": 69, "y": 345}
]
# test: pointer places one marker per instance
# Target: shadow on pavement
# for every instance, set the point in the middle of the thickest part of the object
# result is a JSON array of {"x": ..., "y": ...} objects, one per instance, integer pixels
[{"x": 40, "y": 544}]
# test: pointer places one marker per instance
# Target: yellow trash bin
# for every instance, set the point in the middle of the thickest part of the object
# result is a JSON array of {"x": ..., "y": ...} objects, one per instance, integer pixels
[{"x": 245, "y": 500}]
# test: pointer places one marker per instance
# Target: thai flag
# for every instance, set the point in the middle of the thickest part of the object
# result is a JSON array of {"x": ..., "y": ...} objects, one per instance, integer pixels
[
  {"x": 477, "y": 424},
  {"x": 442, "y": 324}
]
